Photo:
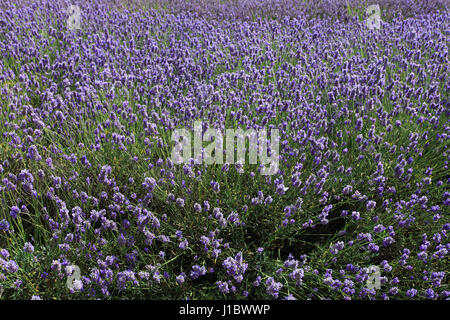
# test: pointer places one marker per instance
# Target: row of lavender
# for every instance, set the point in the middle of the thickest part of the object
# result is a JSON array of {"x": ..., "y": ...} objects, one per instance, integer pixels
[
  {"x": 252, "y": 9},
  {"x": 87, "y": 184}
]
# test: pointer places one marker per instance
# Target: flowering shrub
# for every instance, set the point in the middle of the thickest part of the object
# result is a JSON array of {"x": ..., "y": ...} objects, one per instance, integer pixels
[{"x": 86, "y": 179}]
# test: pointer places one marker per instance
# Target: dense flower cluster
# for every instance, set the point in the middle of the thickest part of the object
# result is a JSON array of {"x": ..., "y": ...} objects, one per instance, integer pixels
[
  {"x": 86, "y": 177},
  {"x": 252, "y": 9}
]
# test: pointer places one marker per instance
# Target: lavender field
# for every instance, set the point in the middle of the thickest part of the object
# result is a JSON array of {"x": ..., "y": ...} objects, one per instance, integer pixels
[{"x": 93, "y": 207}]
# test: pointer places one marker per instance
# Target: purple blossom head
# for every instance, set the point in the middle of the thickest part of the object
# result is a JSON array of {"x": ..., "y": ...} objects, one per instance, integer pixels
[
  {"x": 14, "y": 212},
  {"x": 28, "y": 247}
]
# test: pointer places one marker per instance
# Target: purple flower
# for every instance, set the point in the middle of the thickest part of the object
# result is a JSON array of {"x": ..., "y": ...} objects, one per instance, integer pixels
[
  {"x": 273, "y": 287},
  {"x": 197, "y": 207},
  {"x": 149, "y": 183},
  {"x": 180, "y": 202},
  {"x": 257, "y": 282},
  {"x": 183, "y": 244},
  {"x": 33, "y": 153},
  {"x": 14, "y": 212},
  {"x": 223, "y": 287},
  {"x": 11, "y": 266},
  {"x": 430, "y": 294},
  {"x": 28, "y": 247},
  {"x": 370, "y": 205},
  {"x": 4, "y": 225},
  {"x": 411, "y": 292},
  {"x": 180, "y": 278},
  {"x": 355, "y": 215},
  {"x": 197, "y": 271},
  {"x": 235, "y": 267}
]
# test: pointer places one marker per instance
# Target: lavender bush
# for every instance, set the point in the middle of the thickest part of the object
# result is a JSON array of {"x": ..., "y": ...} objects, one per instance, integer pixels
[{"x": 93, "y": 207}]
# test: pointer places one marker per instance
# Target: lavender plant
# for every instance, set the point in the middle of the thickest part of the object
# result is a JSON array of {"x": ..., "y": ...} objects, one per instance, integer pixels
[{"x": 93, "y": 207}]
